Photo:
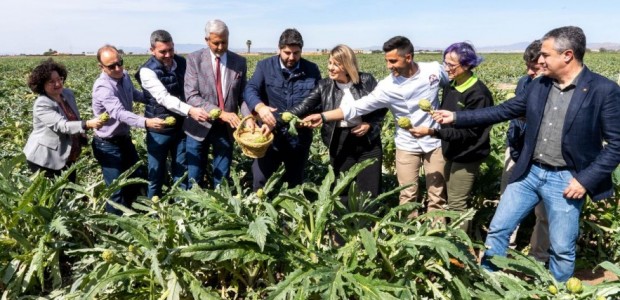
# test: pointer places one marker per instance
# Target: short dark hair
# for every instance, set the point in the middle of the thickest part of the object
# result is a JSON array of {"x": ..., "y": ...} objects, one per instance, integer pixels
[
  {"x": 568, "y": 37},
  {"x": 43, "y": 73},
  {"x": 401, "y": 43},
  {"x": 161, "y": 36},
  {"x": 532, "y": 52},
  {"x": 291, "y": 37},
  {"x": 105, "y": 48}
]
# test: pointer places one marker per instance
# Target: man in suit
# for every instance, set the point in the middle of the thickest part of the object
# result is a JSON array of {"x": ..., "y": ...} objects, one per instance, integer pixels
[
  {"x": 570, "y": 112},
  {"x": 161, "y": 78},
  {"x": 279, "y": 83},
  {"x": 215, "y": 78},
  {"x": 114, "y": 93}
]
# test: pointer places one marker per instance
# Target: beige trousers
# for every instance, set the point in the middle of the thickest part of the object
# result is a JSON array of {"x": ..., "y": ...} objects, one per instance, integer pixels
[{"x": 408, "y": 171}]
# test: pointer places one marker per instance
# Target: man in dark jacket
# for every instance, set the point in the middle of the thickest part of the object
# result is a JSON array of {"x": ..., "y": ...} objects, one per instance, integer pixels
[
  {"x": 161, "y": 78},
  {"x": 278, "y": 83},
  {"x": 570, "y": 112}
]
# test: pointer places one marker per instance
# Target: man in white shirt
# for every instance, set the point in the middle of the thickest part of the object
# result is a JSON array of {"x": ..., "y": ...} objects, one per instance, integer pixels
[
  {"x": 161, "y": 78},
  {"x": 401, "y": 92}
]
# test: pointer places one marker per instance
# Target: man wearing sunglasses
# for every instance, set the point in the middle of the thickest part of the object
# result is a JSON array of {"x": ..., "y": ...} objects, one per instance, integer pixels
[{"x": 114, "y": 93}]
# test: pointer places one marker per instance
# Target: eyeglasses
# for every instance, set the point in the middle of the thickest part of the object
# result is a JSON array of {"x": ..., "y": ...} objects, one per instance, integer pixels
[
  {"x": 450, "y": 66},
  {"x": 53, "y": 82},
  {"x": 113, "y": 66}
]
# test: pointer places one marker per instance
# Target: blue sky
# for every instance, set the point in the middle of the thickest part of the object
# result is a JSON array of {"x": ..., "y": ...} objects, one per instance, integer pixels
[{"x": 33, "y": 26}]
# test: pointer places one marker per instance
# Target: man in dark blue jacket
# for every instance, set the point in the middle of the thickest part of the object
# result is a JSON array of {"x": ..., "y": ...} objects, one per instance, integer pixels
[
  {"x": 570, "y": 112},
  {"x": 279, "y": 83}
]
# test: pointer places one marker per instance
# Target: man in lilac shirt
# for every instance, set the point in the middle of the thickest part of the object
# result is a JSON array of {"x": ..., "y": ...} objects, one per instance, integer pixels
[{"x": 114, "y": 93}]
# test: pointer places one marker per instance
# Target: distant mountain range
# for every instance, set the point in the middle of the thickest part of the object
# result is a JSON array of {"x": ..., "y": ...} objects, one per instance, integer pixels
[
  {"x": 189, "y": 48},
  {"x": 517, "y": 47}
]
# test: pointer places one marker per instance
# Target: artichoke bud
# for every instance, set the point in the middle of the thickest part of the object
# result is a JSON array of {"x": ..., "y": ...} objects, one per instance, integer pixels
[
  {"x": 404, "y": 122},
  {"x": 104, "y": 117},
  {"x": 215, "y": 113}
]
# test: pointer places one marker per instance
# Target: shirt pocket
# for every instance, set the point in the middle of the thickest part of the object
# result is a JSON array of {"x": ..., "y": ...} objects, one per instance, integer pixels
[
  {"x": 275, "y": 85},
  {"x": 49, "y": 142},
  {"x": 302, "y": 89}
]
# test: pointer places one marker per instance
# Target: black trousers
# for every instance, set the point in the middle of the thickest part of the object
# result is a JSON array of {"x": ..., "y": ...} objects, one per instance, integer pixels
[
  {"x": 346, "y": 150},
  {"x": 293, "y": 152},
  {"x": 49, "y": 173}
]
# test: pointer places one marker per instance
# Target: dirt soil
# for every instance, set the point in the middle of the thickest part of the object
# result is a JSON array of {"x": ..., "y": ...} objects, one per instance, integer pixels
[{"x": 596, "y": 277}]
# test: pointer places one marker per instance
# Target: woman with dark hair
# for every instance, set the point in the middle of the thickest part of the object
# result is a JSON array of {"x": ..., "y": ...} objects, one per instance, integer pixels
[
  {"x": 465, "y": 148},
  {"x": 54, "y": 143},
  {"x": 349, "y": 142}
]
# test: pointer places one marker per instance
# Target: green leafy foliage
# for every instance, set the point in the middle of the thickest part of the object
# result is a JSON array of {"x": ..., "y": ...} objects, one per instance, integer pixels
[{"x": 284, "y": 243}]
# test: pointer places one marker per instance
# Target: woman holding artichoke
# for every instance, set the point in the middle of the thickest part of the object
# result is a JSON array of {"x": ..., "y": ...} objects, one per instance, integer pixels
[
  {"x": 56, "y": 139},
  {"x": 465, "y": 148},
  {"x": 353, "y": 141}
]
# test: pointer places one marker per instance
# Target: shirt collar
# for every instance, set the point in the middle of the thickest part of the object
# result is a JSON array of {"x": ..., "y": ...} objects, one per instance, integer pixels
[
  {"x": 465, "y": 85},
  {"x": 222, "y": 57},
  {"x": 117, "y": 81},
  {"x": 572, "y": 84}
]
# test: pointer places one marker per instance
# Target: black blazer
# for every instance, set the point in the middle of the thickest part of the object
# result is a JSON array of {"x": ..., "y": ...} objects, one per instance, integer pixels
[{"x": 593, "y": 117}]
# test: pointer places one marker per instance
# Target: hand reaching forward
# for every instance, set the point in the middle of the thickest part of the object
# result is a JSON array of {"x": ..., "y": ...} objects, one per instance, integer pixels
[
  {"x": 313, "y": 120},
  {"x": 155, "y": 123},
  {"x": 198, "y": 114},
  {"x": 94, "y": 123},
  {"x": 443, "y": 116}
]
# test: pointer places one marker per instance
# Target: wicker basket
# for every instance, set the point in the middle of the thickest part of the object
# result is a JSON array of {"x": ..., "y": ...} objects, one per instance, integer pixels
[{"x": 245, "y": 138}]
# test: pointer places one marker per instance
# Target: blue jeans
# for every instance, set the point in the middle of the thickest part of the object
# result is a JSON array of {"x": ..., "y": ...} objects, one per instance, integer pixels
[
  {"x": 158, "y": 146},
  {"x": 220, "y": 139},
  {"x": 117, "y": 155},
  {"x": 519, "y": 199}
]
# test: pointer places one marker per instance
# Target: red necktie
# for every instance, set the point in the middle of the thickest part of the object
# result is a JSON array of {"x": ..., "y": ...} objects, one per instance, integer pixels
[{"x": 218, "y": 84}]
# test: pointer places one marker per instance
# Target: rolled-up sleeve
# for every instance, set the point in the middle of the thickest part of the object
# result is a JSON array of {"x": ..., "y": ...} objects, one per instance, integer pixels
[{"x": 153, "y": 85}]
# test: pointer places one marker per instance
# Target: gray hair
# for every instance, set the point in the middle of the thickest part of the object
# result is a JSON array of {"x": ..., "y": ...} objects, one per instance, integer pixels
[
  {"x": 161, "y": 36},
  {"x": 217, "y": 27},
  {"x": 568, "y": 38}
]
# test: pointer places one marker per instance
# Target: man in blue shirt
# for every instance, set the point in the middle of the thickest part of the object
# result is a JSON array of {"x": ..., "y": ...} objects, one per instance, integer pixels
[{"x": 278, "y": 83}]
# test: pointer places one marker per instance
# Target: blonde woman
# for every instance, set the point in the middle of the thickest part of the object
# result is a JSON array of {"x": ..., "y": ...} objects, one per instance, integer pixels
[{"x": 353, "y": 141}]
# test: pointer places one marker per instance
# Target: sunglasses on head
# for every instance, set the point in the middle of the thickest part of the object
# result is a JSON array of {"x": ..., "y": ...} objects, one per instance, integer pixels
[{"x": 113, "y": 66}]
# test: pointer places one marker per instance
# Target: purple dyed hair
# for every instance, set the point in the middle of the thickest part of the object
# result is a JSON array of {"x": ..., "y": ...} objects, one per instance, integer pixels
[{"x": 466, "y": 53}]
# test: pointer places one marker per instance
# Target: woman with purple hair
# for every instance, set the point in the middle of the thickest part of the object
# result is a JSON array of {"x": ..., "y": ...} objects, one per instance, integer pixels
[{"x": 464, "y": 148}]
